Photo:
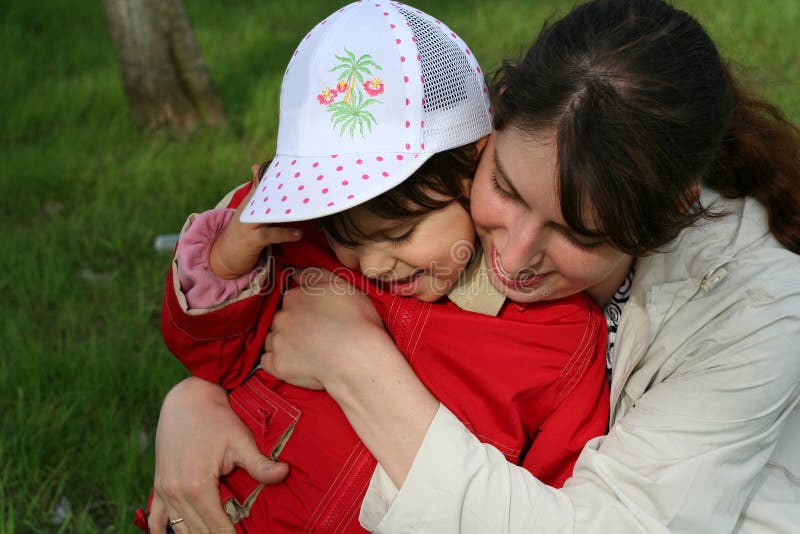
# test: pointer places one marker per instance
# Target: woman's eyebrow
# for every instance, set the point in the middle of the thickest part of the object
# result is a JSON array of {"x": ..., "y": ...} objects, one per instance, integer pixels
[{"x": 504, "y": 175}]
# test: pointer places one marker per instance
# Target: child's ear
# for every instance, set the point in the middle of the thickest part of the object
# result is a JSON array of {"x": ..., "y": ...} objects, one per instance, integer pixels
[{"x": 466, "y": 187}]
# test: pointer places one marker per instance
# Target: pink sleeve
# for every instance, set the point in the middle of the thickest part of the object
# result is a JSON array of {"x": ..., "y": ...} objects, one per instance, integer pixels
[{"x": 201, "y": 287}]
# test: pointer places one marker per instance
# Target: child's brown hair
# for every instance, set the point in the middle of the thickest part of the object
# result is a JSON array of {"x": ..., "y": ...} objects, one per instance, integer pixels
[{"x": 439, "y": 181}]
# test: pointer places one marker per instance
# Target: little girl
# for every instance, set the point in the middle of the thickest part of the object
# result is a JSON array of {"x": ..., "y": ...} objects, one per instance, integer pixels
[{"x": 384, "y": 164}]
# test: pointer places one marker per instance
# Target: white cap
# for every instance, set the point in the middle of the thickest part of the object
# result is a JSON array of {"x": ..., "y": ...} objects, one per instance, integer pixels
[{"x": 370, "y": 94}]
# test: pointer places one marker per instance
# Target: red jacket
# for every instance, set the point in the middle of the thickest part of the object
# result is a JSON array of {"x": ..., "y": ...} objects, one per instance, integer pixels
[{"x": 530, "y": 381}]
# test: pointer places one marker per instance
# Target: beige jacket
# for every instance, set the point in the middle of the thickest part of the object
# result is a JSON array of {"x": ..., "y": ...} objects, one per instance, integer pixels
[{"x": 705, "y": 423}]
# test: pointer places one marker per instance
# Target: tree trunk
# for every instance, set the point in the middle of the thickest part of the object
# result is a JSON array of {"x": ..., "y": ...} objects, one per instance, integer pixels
[{"x": 166, "y": 81}]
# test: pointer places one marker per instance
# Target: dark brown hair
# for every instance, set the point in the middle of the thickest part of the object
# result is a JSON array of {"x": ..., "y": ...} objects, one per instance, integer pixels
[
  {"x": 434, "y": 185},
  {"x": 644, "y": 108}
]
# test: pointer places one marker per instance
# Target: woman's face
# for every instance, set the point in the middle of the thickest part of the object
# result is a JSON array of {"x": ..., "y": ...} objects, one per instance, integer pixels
[{"x": 530, "y": 252}]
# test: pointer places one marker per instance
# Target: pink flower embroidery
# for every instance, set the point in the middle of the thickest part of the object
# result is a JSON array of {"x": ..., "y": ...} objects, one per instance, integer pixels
[
  {"x": 327, "y": 96},
  {"x": 374, "y": 86},
  {"x": 349, "y": 113}
]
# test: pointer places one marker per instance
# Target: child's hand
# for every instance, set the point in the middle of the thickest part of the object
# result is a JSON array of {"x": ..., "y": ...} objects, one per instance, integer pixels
[{"x": 237, "y": 249}]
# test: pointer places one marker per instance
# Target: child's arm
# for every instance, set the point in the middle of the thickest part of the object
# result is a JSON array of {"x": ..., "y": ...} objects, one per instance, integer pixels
[
  {"x": 216, "y": 327},
  {"x": 240, "y": 245},
  {"x": 199, "y": 282}
]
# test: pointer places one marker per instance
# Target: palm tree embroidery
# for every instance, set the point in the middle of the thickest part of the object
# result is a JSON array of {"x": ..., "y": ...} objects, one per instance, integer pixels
[{"x": 350, "y": 114}]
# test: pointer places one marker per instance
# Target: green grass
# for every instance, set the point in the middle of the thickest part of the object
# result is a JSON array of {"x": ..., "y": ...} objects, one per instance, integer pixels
[{"x": 83, "y": 193}]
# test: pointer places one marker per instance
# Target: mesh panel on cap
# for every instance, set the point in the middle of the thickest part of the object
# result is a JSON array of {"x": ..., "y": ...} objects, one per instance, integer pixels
[{"x": 455, "y": 109}]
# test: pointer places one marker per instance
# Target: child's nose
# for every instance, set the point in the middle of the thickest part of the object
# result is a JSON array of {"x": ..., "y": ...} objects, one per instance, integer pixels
[{"x": 376, "y": 264}]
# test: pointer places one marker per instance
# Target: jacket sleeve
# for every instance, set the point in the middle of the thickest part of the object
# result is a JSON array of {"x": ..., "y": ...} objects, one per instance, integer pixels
[
  {"x": 223, "y": 343},
  {"x": 202, "y": 288},
  {"x": 684, "y": 458},
  {"x": 581, "y": 413}
]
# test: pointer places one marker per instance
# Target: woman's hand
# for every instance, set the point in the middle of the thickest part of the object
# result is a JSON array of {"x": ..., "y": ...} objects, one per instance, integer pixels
[
  {"x": 324, "y": 330},
  {"x": 237, "y": 250},
  {"x": 329, "y": 336},
  {"x": 199, "y": 439}
]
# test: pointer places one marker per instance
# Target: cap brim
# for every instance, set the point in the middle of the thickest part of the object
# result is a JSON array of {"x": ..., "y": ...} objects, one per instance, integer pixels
[{"x": 304, "y": 188}]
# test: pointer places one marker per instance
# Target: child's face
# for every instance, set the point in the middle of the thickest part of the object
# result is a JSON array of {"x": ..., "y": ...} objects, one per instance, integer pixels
[{"x": 420, "y": 257}]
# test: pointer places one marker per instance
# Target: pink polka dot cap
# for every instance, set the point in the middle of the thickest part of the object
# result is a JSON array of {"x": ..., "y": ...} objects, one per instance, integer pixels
[{"x": 369, "y": 95}]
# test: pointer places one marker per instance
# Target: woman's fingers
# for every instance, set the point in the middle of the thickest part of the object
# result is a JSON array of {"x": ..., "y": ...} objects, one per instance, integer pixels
[
  {"x": 345, "y": 326},
  {"x": 268, "y": 342},
  {"x": 176, "y": 505},
  {"x": 163, "y": 513},
  {"x": 206, "y": 510},
  {"x": 199, "y": 510},
  {"x": 195, "y": 430},
  {"x": 295, "y": 373},
  {"x": 157, "y": 520},
  {"x": 260, "y": 467},
  {"x": 180, "y": 527}
]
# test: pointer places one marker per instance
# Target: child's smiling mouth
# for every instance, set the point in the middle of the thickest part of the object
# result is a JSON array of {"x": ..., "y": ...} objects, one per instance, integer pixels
[{"x": 403, "y": 286}]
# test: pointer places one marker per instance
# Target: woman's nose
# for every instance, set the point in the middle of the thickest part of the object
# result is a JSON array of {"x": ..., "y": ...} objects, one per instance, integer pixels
[{"x": 522, "y": 254}]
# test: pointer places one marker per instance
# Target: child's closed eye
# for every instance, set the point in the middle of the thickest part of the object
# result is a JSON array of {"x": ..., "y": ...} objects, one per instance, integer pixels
[{"x": 405, "y": 237}]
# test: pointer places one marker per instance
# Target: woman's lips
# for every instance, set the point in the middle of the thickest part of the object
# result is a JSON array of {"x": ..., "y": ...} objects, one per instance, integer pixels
[{"x": 524, "y": 280}]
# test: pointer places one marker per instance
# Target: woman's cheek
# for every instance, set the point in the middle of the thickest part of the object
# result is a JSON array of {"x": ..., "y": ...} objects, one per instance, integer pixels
[
  {"x": 582, "y": 267},
  {"x": 482, "y": 205}
]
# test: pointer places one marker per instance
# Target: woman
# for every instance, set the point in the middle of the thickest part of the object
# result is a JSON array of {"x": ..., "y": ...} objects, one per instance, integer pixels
[{"x": 623, "y": 148}]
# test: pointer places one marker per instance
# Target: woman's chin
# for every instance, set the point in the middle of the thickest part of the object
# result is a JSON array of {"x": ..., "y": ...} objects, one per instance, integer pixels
[{"x": 523, "y": 295}]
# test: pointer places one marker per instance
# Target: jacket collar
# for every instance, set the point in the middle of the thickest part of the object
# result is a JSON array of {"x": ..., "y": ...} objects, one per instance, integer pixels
[
  {"x": 664, "y": 282},
  {"x": 474, "y": 291}
]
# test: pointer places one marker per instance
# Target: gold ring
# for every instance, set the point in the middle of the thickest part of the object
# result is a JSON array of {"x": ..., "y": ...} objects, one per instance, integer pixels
[{"x": 175, "y": 521}]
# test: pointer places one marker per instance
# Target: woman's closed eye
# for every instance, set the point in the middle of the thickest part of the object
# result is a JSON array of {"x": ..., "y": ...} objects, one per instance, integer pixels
[
  {"x": 574, "y": 239},
  {"x": 500, "y": 190},
  {"x": 585, "y": 244}
]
